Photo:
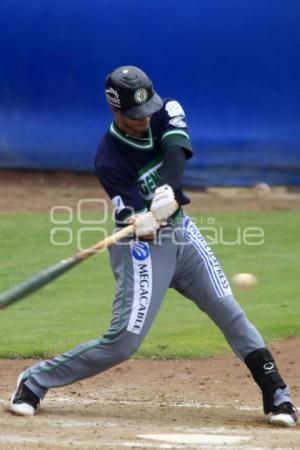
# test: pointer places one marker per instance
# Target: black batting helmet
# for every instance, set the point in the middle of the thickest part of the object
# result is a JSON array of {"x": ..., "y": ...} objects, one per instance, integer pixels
[{"x": 129, "y": 90}]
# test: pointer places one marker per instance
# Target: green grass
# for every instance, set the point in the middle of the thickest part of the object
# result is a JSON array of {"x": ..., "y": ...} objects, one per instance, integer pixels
[{"x": 77, "y": 307}]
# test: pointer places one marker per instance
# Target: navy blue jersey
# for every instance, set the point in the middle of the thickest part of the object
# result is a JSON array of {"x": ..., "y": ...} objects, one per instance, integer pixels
[{"x": 129, "y": 168}]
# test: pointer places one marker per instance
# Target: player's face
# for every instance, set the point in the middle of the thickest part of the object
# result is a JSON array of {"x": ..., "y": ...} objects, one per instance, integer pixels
[{"x": 135, "y": 128}]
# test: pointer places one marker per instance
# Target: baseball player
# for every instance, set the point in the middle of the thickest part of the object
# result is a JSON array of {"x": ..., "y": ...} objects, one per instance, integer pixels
[{"x": 140, "y": 162}]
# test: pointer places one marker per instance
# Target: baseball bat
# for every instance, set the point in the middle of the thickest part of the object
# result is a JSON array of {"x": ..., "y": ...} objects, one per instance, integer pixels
[{"x": 44, "y": 277}]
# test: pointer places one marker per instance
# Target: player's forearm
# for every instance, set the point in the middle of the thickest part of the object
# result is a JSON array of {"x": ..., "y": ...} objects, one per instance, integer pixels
[{"x": 173, "y": 167}]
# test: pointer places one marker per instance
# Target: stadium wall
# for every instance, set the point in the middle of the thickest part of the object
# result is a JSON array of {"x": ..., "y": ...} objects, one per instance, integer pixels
[{"x": 234, "y": 66}]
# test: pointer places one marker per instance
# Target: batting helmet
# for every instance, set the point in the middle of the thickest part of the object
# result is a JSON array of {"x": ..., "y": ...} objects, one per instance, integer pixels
[{"x": 129, "y": 90}]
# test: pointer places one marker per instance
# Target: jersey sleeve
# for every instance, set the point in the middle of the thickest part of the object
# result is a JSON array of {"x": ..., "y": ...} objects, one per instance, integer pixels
[
  {"x": 175, "y": 131},
  {"x": 123, "y": 192}
]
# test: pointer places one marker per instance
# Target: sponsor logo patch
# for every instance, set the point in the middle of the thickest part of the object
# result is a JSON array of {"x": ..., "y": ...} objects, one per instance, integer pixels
[
  {"x": 269, "y": 366},
  {"x": 174, "y": 109},
  {"x": 142, "y": 278},
  {"x": 214, "y": 270},
  {"x": 178, "y": 122},
  {"x": 140, "y": 251},
  {"x": 118, "y": 203},
  {"x": 113, "y": 98}
]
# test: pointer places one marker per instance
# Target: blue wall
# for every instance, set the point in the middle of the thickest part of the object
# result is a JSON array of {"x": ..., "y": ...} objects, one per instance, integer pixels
[{"x": 233, "y": 64}]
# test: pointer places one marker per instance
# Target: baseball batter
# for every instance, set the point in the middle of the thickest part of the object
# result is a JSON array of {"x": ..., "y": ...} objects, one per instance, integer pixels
[{"x": 140, "y": 162}]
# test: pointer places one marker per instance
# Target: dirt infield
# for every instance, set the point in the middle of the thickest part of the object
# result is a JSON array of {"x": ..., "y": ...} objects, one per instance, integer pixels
[
  {"x": 214, "y": 397},
  {"x": 213, "y": 401}
]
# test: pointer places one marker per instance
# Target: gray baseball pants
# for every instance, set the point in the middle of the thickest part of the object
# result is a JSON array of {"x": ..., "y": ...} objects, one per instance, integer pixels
[{"x": 179, "y": 258}]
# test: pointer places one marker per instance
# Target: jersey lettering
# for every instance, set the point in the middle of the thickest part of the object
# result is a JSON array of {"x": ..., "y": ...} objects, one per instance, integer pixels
[{"x": 148, "y": 181}]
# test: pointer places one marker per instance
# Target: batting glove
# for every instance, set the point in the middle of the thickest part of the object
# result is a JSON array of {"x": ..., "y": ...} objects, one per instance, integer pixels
[
  {"x": 145, "y": 225},
  {"x": 163, "y": 204}
]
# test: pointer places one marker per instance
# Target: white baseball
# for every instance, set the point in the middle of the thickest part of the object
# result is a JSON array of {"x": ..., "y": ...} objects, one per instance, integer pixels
[
  {"x": 262, "y": 190},
  {"x": 244, "y": 281}
]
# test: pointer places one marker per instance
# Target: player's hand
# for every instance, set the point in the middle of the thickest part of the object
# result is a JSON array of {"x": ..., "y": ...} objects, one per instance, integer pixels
[
  {"x": 145, "y": 225},
  {"x": 163, "y": 204}
]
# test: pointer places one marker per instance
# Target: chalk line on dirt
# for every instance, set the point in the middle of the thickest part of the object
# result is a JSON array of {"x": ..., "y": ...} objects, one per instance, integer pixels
[{"x": 81, "y": 401}]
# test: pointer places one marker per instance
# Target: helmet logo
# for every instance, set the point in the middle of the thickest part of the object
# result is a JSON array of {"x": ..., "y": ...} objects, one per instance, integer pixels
[
  {"x": 112, "y": 97},
  {"x": 141, "y": 95}
]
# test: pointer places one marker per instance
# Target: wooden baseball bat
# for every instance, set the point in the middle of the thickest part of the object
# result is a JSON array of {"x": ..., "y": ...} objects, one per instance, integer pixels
[{"x": 44, "y": 277}]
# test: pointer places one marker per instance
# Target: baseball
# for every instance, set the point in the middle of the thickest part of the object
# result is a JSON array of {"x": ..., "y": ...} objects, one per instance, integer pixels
[
  {"x": 262, "y": 190},
  {"x": 244, "y": 281}
]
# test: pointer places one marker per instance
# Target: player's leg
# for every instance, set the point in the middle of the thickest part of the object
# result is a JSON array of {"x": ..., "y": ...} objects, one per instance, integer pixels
[
  {"x": 200, "y": 277},
  {"x": 141, "y": 286}
]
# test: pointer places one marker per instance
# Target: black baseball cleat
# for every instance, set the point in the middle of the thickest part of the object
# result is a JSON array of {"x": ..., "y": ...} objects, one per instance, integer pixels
[
  {"x": 23, "y": 401},
  {"x": 284, "y": 415}
]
